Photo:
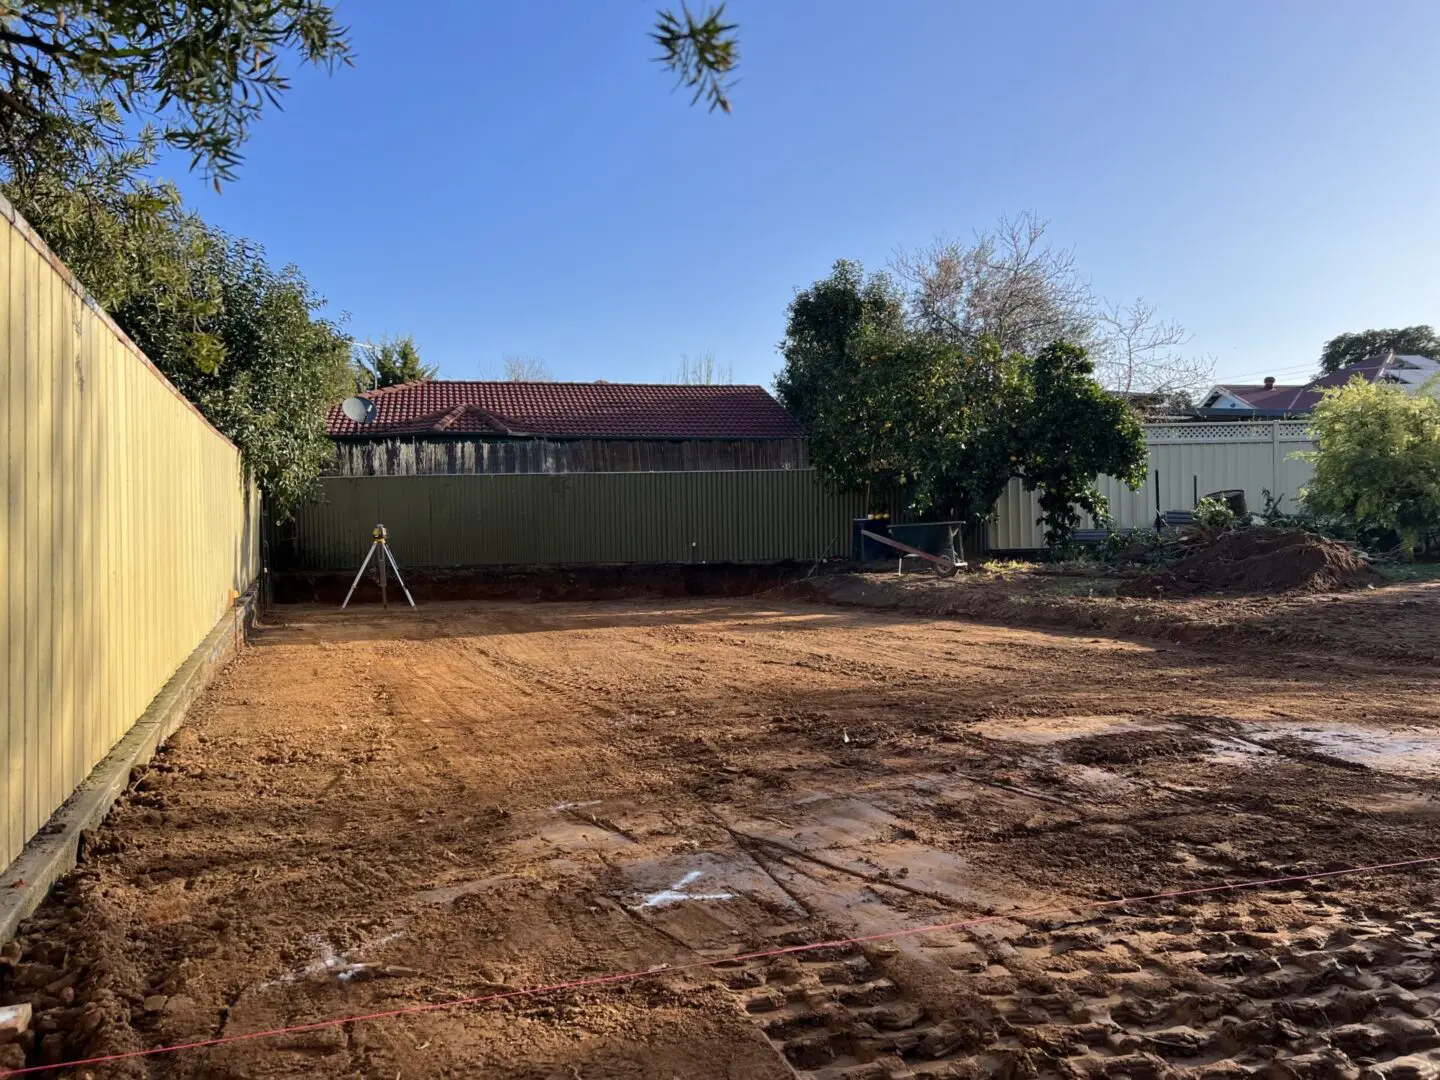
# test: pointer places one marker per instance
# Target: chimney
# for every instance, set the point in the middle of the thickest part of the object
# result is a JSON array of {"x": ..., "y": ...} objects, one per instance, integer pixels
[{"x": 1269, "y": 382}]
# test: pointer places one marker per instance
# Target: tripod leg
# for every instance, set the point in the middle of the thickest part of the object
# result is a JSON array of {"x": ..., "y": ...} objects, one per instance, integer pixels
[
  {"x": 358, "y": 574},
  {"x": 381, "y": 569},
  {"x": 398, "y": 578}
]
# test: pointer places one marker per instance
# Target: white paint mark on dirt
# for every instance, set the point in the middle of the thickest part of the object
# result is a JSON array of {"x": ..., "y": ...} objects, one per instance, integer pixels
[
  {"x": 344, "y": 966},
  {"x": 675, "y": 894}
]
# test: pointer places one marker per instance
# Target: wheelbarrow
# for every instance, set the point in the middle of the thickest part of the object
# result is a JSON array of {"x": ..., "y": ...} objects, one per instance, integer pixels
[{"x": 944, "y": 565}]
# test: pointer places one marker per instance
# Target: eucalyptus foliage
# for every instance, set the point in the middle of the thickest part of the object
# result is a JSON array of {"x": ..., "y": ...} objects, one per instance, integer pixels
[
  {"x": 702, "y": 51},
  {"x": 204, "y": 72}
]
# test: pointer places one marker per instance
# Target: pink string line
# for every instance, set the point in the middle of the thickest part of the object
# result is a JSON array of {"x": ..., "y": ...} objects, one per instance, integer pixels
[{"x": 665, "y": 969}]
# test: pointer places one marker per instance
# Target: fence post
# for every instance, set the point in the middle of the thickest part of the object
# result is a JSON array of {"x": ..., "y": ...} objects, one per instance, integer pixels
[{"x": 1274, "y": 458}]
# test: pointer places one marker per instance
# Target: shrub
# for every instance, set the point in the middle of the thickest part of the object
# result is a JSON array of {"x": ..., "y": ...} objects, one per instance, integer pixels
[
  {"x": 1213, "y": 515},
  {"x": 1377, "y": 466},
  {"x": 1143, "y": 546}
]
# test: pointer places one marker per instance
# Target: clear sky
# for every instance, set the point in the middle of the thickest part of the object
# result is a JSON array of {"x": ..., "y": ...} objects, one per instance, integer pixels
[{"x": 519, "y": 177}]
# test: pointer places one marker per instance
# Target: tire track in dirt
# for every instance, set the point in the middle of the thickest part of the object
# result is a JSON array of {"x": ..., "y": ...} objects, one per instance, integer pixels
[
  {"x": 495, "y": 795},
  {"x": 1323, "y": 990}
]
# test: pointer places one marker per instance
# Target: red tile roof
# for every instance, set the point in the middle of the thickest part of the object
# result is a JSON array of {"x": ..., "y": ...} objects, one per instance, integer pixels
[
  {"x": 1303, "y": 399},
  {"x": 570, "y": 410}
]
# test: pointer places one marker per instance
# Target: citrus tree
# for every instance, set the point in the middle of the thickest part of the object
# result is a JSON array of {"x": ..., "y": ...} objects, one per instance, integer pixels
[
  {"x": 1071, "y": 431},
  {"x": 1377, "y": 466},
  {"x": 895, "y": 410},
  {"x": 892, "y": 406}
]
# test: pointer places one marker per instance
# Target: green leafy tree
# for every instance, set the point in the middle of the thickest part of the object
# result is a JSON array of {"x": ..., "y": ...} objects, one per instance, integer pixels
[
  {"x": 1346, "y": 349},
  {"x": 702, "y": 51},
  {"x": 822, "y": 323},
  {"x": 283, "y": 366},
  {"x": 128, "y": 239},
  {"x": 1070, "y": 432},
  {"x": 894, "y": 410},
  {"x": 239, "y": 339},
  {"x": 205, "y": 73},
  {"x": 1377, "y": 466},
  {"x": 896, "y": 407},
  {"x": 390, "y": 362},
  {"x": 958, "y": 418}
]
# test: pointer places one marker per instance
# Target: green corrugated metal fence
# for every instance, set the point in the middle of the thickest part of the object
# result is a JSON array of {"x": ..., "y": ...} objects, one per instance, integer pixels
[{"x": 574, "y": 519}]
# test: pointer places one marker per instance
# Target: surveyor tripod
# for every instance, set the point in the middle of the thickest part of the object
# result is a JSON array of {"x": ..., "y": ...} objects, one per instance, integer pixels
[{"x": 386, "y": 557}]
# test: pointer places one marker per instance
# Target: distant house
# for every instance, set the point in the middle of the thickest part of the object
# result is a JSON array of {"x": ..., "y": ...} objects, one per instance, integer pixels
[
  {"x": 1271, "y": 401},
  {"x": 443, "y": 426}
]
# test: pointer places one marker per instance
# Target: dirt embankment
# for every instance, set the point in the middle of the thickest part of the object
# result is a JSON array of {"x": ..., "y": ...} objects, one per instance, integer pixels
[
  {"x": 1258, "y": 585},
  {"x": 432, "y": 584},
  {"x": 1395, "y": 623},
  {"x": 1260, "y": 561}
]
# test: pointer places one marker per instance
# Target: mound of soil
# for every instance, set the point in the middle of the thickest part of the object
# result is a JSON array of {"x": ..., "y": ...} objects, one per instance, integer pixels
[
  {"x": 1132, "y": 748},
  {"x": 1260, "y": 561}
]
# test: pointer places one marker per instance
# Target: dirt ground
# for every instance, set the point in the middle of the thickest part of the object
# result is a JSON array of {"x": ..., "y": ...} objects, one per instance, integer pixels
[
  {"x": 1394, "y": 622},
  {"x": 373, "y": 810}
]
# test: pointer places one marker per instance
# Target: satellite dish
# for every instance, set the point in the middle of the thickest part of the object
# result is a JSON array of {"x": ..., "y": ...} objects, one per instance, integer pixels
[{"x": 358, "y": 409}]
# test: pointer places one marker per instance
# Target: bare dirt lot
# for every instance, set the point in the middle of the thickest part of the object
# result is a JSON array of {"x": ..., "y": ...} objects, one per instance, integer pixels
[{"x": 374, "y": 810}]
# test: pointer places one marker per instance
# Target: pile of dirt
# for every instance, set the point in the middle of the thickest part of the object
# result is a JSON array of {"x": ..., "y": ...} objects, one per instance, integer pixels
[{"x": 1260, "y": 561}]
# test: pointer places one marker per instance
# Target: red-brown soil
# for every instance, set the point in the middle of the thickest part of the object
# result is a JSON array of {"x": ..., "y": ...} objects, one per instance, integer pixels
[
  {"x": 1260, "y": 561},
  {"x": 376, "y": 810}
]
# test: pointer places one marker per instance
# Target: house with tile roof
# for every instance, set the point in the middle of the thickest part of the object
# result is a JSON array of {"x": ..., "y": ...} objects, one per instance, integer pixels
[
  {"x": 1270, "y": 401},
  {"x": 445, "y": 426}
]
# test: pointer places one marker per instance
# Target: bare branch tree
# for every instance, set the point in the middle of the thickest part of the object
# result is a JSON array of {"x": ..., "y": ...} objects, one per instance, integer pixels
[
  {"x": 703, "y": 371},
  {"x": 1139, "y": 353},
  {"x": 1008, "y": 284},
  {"x": 1011, "y": 285},
  {"x": 526, "y": 369}
]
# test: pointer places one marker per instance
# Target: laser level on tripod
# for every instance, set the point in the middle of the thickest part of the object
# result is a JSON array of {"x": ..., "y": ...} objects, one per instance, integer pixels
[{"x": 379, "y": 543}]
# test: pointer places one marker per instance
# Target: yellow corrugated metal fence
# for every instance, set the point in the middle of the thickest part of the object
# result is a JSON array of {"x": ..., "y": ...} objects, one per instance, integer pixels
[{"x": 127, "y": 527}]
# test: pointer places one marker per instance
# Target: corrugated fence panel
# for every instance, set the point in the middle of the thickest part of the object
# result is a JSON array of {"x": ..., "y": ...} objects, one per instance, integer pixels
[
  {"x": 727, "y": 515},
  {"x": 127, "y": 529},
  {"x": 573, "y": 519},
  {"x": 1185, "y": 459}
]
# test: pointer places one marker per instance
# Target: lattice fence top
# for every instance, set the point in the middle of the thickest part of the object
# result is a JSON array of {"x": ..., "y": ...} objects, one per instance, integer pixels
[{"x": 1229, "y": 432}]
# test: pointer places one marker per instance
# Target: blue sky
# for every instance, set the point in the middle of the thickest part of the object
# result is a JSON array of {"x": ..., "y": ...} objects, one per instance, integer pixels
[{"x": 520, "y": 178}]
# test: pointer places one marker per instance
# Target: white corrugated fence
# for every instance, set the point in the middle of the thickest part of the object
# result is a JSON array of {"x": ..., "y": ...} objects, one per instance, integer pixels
[{"x": 1186, "y": 460}]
